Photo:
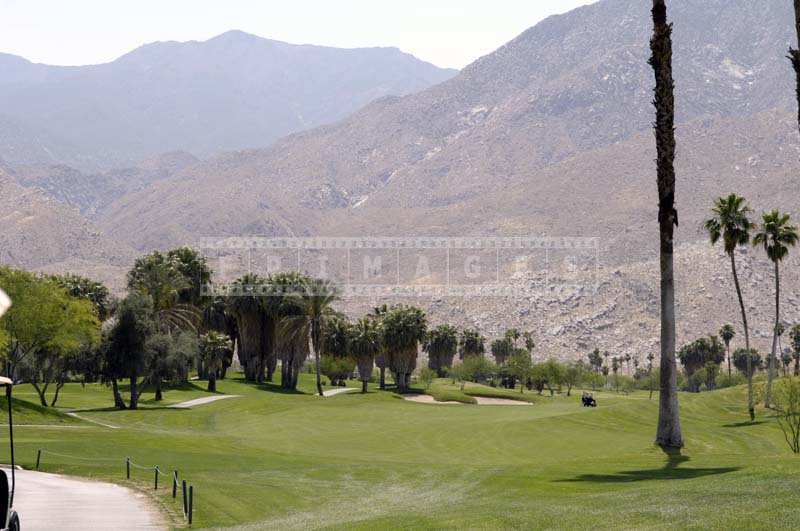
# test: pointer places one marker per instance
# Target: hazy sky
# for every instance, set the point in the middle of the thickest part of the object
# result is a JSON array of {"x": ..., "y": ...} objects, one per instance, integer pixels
[{"x": 449, "y": 33}]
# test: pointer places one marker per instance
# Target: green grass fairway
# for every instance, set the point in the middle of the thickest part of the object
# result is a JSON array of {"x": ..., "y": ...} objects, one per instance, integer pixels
[{"x": 295, "y": 461}]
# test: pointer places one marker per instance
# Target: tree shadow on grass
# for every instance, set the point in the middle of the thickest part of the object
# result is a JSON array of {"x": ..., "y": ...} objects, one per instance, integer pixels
[
  {"x": 670, "y": 471},
  {"x": 744, "y": 424},
  {"x": 269, "y": 386}
]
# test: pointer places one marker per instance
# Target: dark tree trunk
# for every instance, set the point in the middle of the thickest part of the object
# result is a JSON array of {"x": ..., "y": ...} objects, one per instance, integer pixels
[
  {"x": 119, "y": 403},
  {"x": 669, "y": 433},
  {"x": 794, "y": 57},
  {"x": 157, "y": 383},
  {"x": 212, "y": 381},
  {"x": 250, "y": 332},
  {"x": 270, "y": 352},
  {"x": 773, "y": 354},
  {"x": 59, "y": 385},
  {"x": 750, "y": 401},
  {"x": 364, "y": 385},
  {"x": 134, "y": 401},
  {"x": 41, "y": 391},
  {"x": 316, "y": 343}
]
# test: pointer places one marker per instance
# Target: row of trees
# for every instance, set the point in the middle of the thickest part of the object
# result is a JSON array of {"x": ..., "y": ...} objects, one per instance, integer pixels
[{"x": 731, "y": 224}]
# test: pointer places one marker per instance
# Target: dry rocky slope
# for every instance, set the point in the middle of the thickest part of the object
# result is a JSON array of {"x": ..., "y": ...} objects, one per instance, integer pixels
[
  {"x": 231, "y": 92},
  {"x": 548, "y": 136}
]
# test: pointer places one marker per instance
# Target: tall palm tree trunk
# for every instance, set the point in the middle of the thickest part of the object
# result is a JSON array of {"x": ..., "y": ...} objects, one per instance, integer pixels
[
  {"x": 794, "y": 57},
  {"x": 773, "y": 357},
  {"x": 316, "y": 343},
  {"x": 669, "y": 425},
  {"x": 750, "y": 403},
  {"x": 728, "y": 348}
]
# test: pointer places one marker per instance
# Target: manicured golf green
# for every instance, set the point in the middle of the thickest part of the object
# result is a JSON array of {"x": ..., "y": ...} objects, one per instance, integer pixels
[{"x": 275, "y": 460}]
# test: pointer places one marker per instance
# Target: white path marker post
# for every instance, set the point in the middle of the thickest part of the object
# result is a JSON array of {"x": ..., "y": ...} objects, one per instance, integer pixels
[{"x": 5, "y": 302}]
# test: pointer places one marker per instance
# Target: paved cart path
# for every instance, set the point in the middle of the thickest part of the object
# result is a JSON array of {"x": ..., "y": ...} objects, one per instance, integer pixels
[
  {"x": 49, "y": 501},
  {"x": 334, "y": 392},
  {"x": 200, "y": 401}
]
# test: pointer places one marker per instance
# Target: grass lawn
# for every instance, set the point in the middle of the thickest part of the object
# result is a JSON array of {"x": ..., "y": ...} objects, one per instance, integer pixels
[{"x": 296, "y": 461}]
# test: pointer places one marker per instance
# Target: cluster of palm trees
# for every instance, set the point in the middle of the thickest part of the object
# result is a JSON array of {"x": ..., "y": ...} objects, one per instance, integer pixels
[{"x": 732, "y": 225}]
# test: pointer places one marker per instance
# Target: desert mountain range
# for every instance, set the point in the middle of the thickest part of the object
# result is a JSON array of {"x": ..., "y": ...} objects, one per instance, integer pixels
[{"x": 548, "y": 136}]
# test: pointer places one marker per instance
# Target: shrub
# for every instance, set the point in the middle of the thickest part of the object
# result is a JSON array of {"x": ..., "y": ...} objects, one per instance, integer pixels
[{"x": 786, "y": 402}]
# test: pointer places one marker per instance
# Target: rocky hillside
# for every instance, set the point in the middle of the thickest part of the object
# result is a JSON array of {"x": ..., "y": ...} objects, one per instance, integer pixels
[
  {"x": 231, "y": 92},
  {"x": 38, "y": 232},
  {"x": 548, "y": 136}
]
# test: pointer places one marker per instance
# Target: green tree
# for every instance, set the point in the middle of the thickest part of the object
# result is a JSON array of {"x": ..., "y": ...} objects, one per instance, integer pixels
[
  {"x": 775, "y": 235},
  {"x": 125, "y": 349},
  {"x": 519, "y": 366},
  {"x": 338, "y": 364},
  {"x": 315, "y": 304},
  {"x": 512, "y": 335},
  {"x": 477, "y": 369},
  {"x": 573, "y": 375},
  {"x": 215, "y": 348},
  {"x": 669, "y": 425},
  {"x": 502, "y": 350},
  {"x": 426, "y": 377},
  {"x": 44, "y": 329},
  {"x": 84, "y": 288},
  {"x": 530, "y": 343},
  {"x": 441, "y": 344},
  {"x": 553, "y": 374},
  {"x": 195, "y": 271},
  {"x": 745, "y": 364},
  {"x": 404, "y": 327},
  {"x": 786, "y": 361},
  {"x": 697, "y": 355},
  {"x": 167, "y": 357},
  {"x": 244, "y": 302},
  {"x": 787, "y": 409},
  {"x": 365, "y": 345},
  {"x": 727, "y": 333},
  {"x": 731, "y": 224},
  {"x": 472, "y": 343},
  {"x": 596, "y": 360}
]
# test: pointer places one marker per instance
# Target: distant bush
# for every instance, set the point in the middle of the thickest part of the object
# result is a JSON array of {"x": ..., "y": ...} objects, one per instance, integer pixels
[{"x": 723, "y": 380}]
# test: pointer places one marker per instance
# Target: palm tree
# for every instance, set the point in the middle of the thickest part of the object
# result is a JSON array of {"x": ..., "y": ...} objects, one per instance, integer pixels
[
  {"x": 727, "y": 333},
  {"x": 214, "y": 349},
  {"x": 441, "y": 344},
  {"x": 669, "y": 424},
  {"x": 377, "y": 315},
  {"x": 731, "y": 224},
  {"x": 795, "y": 335},
  {"x": 404, "y": 327},
  {"x": 472, "y": 343},
  {"x": 775, "y": 236},
  {"x": 244, "y": 301},
  {"x": 315, "y": 304},
  {"x": 794, "y": 56},
  {"x": 364, "y": 345},
  {"x": 513, "y": 335},
  {"x": 530, "y": 343}
]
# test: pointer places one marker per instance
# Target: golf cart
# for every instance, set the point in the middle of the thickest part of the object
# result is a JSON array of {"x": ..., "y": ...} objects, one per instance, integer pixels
[{"x": 8, "y": 516}]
